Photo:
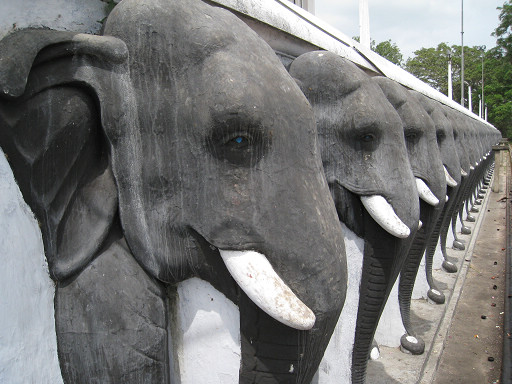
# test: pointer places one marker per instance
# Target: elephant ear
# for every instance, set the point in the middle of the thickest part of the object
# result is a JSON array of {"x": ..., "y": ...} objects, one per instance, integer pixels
[{"x": 51, "y": 132}]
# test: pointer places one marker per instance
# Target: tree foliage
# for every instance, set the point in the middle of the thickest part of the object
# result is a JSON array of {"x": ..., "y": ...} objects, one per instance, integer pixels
[
  {"x": 431, "y": 66},
  {"x": 504, "y": 30},
  {"x": 390, "y": 51},
  {"x": 387, "y": 49}
]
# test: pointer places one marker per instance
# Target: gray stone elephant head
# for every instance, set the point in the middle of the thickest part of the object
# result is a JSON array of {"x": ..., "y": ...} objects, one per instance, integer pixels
[
  {"x": 366, "y": 165},
  {"x": 427, "y": 167},
  {"x": 174, "y": 146},
  {"x": 451, "y": 163}
]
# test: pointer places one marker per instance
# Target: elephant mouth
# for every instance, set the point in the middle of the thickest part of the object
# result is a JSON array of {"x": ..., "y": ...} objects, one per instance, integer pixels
[
  {"x": 384, "y": 214},
  {"x": 381, "y": 211},
  {"x": 425, "y": 193},
  {"x": 257, "y": 278},
  {"x": 450, "y": 181}
]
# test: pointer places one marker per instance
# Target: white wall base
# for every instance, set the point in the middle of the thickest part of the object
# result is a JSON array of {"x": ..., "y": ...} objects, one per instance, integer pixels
[
  {"x": 390, "y": 328},
  {"x": 342, "y": 340},
  {"x": 208, "y": 347},
  {"x": 28, "y": 343}
]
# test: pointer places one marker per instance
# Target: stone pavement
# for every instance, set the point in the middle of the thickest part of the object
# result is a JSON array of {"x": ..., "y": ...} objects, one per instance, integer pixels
[{"x": 464, "y": 336}]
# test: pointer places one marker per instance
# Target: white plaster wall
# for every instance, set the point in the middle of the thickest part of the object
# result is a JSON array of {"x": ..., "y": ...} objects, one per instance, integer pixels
[
  {"x": 421, "y": 286},
  {"x": 437, "y": 262},
  {"x": 390, "y": 328},
  {"x": 28, "y": 345},
  {"x": 458, "y": 224},
  {"x": 66, "y": 15},
  {"x": 208, "y": 346},
  {"x": 341, "y": 344},
  {"x": 450, "y": 238}
]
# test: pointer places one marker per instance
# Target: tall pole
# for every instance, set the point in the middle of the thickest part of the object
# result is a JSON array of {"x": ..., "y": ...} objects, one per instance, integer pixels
[
  {"x": 450, "y": 85},
  {"x": 483, "y": 55},
  {"x": 364, "y": 24},
  {"x": 462, "y": 54},
  {"x": 470, "y": 105}
]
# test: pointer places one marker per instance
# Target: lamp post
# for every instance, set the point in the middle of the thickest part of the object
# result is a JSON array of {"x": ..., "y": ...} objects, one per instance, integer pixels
[
  {"x": 483, "y": 56},
  {"x": 450, "y": 85},
  {"x": 470, "y": 105},
  {"x": 364, "y": 24},
  {"x": 462, "y": 54}
]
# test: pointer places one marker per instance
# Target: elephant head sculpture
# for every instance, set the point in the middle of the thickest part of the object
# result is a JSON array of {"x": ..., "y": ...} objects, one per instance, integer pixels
[
  {"x": 458, "y": 123},
  {"x": 365, "y": 162},
  {"x": 427, "y": 167},
  {"x": 174, "y": 146},
  {"x": 446, "y": 143}
]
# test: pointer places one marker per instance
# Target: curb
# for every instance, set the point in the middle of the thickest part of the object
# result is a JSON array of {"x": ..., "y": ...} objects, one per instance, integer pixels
[{"x": 429, "y": 369}]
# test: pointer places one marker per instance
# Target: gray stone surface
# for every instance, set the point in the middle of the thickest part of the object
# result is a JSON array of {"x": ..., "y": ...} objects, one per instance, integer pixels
[
  {"x": 65, "y": 15},
  {"x": 450, "y": 329}
]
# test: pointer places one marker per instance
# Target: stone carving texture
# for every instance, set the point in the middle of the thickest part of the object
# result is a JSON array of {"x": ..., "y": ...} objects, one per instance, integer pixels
[
  {"x": 176, "y": 142},
  {"x": 143, "y": 153}
]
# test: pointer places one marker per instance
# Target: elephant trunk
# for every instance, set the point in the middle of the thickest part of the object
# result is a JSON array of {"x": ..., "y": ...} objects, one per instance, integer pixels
[
  {"x": 382, "y": 261},
  {"x": 429, "y": 215},
  {"x": 274, "y": 353}
]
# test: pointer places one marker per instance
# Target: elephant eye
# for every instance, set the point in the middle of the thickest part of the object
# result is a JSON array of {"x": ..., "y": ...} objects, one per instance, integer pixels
[
  {"x": 440, "y": 136},
  {"x": 239, "y": 141},
  {"x": 367, "y": 140},
  {"x": 243, "y": 148},
  {"x": 412, "y": 136},
  {"x": 368, "y": 137}
]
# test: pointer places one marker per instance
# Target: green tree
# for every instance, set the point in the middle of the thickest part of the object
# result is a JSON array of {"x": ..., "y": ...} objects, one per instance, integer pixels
[
  {"x": 504, "y": 30},
  {"x": 387, "y": 49},
  {"x": 431, "y": 66},
  {"x": 390, "y": 51},
  {"x": 498, "y": 90}
]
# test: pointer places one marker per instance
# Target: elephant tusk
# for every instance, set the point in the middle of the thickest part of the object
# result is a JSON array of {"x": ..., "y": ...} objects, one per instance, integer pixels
[
  {"x": 256, "y": 277},
  {"x": 449, "y": 180},
  {"x": 384, "y": 214},
  {"x": 463, "y": 173},
  {"x": 425, "y": 193},
  {"x": 471, "y": 168},
  {"x": 447, "y": 198},
  {"x": 420, "y": 224}
]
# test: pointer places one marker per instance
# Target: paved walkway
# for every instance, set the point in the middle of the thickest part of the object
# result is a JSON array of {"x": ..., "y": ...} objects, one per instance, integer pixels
[{"x": 463, "y": 337}]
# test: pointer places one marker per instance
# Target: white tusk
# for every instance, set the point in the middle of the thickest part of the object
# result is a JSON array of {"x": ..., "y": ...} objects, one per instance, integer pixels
[
  {"x": 447, "y": 198},
  {"x": 471, "y": 168},
  {"x": 463, "y": 173},
  {"x": 384, "y": 214},
  {"x": 476, "y": 163},
  {"x": 256, "y": 277},
  {"x": 425, "y": 193},
  {"x": 420, "y": 224},
  {"x": 449, "y": 179}
]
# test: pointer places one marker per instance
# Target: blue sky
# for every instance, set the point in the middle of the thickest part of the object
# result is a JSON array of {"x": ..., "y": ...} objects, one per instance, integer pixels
[{"x": 415, "y": 24}]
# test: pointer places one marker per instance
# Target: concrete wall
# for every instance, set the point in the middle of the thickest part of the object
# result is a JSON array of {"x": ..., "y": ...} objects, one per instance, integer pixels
[{"x": 28, "y": 345}]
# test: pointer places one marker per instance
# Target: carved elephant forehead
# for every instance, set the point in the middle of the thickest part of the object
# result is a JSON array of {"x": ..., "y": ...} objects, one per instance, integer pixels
[
  {"x": 326, "y": 77},
  {"x": 185, "y": 31},
  {"x": 394, "y": 92},
  {"x": 369, "y": 108}
]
